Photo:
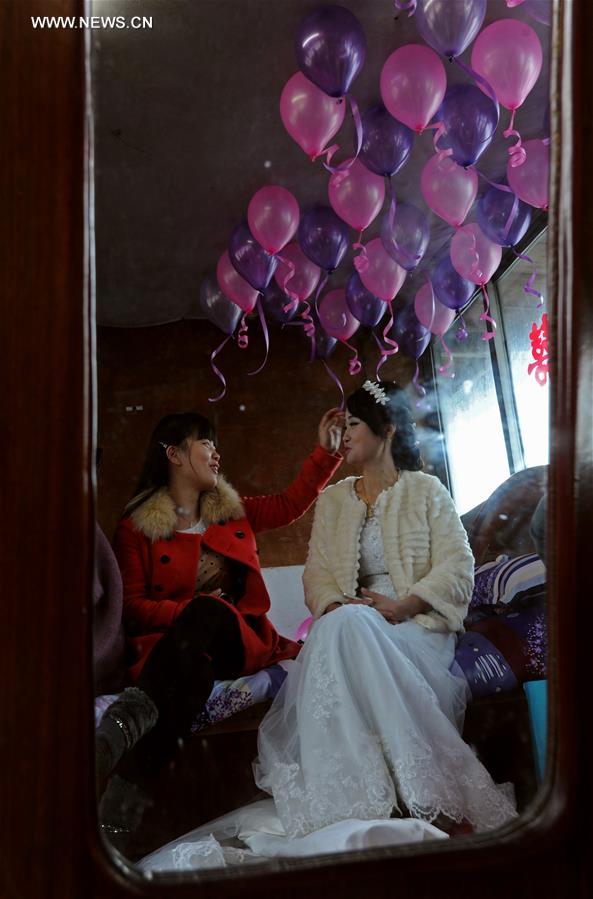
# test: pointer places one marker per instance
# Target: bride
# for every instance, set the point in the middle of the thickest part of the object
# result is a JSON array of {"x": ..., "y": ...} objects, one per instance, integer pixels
[{"x": 367, "y": 724}]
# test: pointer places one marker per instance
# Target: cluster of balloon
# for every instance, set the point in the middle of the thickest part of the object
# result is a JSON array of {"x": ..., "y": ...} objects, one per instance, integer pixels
[
  {"x": 330, "y": 49},
  {"x": 277, "y": 259}
]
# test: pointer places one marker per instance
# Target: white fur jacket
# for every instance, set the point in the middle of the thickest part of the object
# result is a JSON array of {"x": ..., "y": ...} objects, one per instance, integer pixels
[{"x": 426, "y": 548}]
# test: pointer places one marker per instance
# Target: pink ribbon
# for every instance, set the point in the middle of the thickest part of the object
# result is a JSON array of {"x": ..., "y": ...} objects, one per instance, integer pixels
[
  {"x": 393, "y": 344},
  {"x": 439, "y": 130},
  {"x": 344, "y": 166},
  {"x": 444, "y": 369},
  {"x": 517, "y": 152},
  {"x": 354, "y": 364},
  {"x": 485, "y": 315},
  {"x": 361, "y": 262},
  {"x": 539, "y": 351},
  {"x": 291, "y": 270},
  {"x": 217, "y": 371},
  {"x": 264, "y": 327},
  {"x": 242, "y": 336}
]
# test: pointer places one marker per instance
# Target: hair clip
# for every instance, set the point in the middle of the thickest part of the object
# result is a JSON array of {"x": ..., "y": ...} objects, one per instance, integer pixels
[
  {"x": 164, "y": 445},
  {"x": 377, "y": 392}
]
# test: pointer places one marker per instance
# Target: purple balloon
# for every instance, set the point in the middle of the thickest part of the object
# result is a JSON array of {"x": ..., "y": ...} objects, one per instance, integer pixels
[
  {"x": 471, "y": 119},
  {"x": 407, "y": 242},
  {"x": 250, "y": 259},
  {"x": 386, "y": 143},
  {"x": 363, "y": 304},
  {"x": 216, "y": 307},
  {"x": 413, "y": 338},
  {"x": 449, "y": 26},
  {"x": 493, "y": 212},
  {"x": 540, "y": 10},
  {"x": 274, "y": 300},
  {"x": 330, "y": 49},
  {"x": 449, "y": 287},
  {"x": 323, "y": 237}
]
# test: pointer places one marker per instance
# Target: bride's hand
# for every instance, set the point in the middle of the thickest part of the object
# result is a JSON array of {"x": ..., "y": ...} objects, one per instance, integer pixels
[
  {"x": 330, "y": 430},
  {"x": 395, "y": 610}
]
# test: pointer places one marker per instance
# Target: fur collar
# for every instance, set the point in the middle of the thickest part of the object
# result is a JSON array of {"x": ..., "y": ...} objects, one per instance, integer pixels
[{"x": 156, "y": 517}]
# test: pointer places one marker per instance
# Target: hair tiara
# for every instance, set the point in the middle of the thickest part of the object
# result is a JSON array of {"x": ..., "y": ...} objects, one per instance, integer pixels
[{"x": 377, "y": 392}]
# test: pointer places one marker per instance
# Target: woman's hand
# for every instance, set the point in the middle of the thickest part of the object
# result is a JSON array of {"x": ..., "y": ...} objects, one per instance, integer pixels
[
  {"x": 395, "y": 610},
  {"x": 330, "y": 430}
]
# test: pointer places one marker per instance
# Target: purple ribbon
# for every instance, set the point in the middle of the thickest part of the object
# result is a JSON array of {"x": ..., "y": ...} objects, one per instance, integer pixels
[
  {"x": 217, "y": 371},
  {"x": 337, "y": 381},
  {"x": 404, "y": 5},
  {"x": 394, "y": 346},
  {"x": 419, "y": 388},
  {"x": 479, "y": 79},
  {"x": 391, "y": 223},
  {"x": 444, "y": 369},
  {"x": 242, "y": 336},
  {"x": 344, "y": 166},
  {"x": 528, "y": 286},
  {"x": 264, "y": 327}
]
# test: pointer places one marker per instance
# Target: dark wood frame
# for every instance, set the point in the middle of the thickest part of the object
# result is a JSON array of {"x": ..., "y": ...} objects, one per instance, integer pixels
[{"x": 49, "y": 841}]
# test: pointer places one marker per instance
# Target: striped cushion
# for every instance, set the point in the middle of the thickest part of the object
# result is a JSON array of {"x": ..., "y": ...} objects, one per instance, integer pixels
[{"x": 501, "y": 581}]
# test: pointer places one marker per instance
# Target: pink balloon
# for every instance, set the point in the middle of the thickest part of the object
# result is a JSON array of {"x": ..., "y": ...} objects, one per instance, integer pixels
[
  {"x": 430, "y": 313},
  {"x": 234, "y": 286},
  {"x": 413, "y": 84},
  {"x": 449, "y": 189},
  {"x": 530, "y": 181},
  {"x": 382, "y": 276},
  {"x": 474, "y": 256},
  {"x": 508, "y": 54},
  {"x": 302, "y": 631},
  {"x": 306, "y": 273},
  {"x": 356, "y": 195},
  {"x": 309, "y": 115},
  {"x": 335, "y": 316},
  {"x": 273, "y": 217}
]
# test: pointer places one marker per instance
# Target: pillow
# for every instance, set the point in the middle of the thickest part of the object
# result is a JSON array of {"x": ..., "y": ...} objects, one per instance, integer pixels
[
  {"x": 501, "y": 581},
  {"x": 505, "y": 646}
]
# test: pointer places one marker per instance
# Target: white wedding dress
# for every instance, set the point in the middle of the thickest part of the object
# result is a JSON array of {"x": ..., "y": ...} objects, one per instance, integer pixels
[
  {"x": 367, "y": 723},
  {"x": 365, "y": 727}
]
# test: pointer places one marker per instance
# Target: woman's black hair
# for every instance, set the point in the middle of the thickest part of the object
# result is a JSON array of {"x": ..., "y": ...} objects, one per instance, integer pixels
[
  {"x": 172, "y": 430},
  {"x": 397, "y": 412}
]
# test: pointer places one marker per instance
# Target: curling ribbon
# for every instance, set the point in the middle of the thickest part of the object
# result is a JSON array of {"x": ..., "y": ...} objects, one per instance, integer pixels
[
  {"x": 393, "y": 344},
  {"x": 439, "y": 130},
  {"x": 517, "y": 152},
  {"x": 291, "y": 270},
  {"x": 444, "y": 369},
  {"x": 264, "y": 327},
  {"x": 419, "y": 388},
  {"x": 485, "y": 315},
  {"x": 217, "y": 372},
  {"x": 539, "y": 351},
  {"x": 335, "y": 378},
  {"x": 461, "y": 333},
  {"x": 479, "y": 79},
  {"x": 361, "y": 262},
  {"x": 354, "y": 364},
  {"x": 344, "y": 166},
  {"x": 391, "y": 223},
  {"x": 242, "y": 336},
  {"x": 405, "y": 5},
  {"x": 528, "y": 286}
]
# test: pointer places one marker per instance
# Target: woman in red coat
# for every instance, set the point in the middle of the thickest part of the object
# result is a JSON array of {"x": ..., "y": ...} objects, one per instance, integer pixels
[{"x": 195, "y": 601}]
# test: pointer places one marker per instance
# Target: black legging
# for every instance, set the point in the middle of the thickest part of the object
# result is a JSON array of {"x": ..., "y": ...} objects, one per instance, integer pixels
[{"x": 204, "y": 644}]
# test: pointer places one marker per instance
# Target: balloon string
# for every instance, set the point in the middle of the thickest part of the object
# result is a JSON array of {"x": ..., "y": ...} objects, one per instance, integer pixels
[
  {"x": 515, "y": 207},
  {"x": 294, "y": 298},
  {"x": 419, "y": 388},
  {"x": 486, "y": 317},
  {"x": 335, "y": 378},
  {"x": 528, "y": 286},
  {"x": 413, "y": 258},
  {"x": 217, "y": 371},
  {"x": 328, "y": 153},
  {"x": 242, "y": 336},
  {"x": 517, "y": 152},
  {"x": 264, "y": 327},
  {"x": 393, "y": 345},
  {"x": 343, "y": 167},
  {"x": 479, "y": 79},
  {"x": 439, "y": 131},
  {"x": 461, "y": 333},
  {"x": 403, "y": 5},
  {"x": 444, "y": 369},
  {"x": 476, "y": 273},
  {"x": 354, "y": 364},
  {"x": 361, "y": 262}
]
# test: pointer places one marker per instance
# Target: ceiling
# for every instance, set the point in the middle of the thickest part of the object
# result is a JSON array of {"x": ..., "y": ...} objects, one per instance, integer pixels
[{"x": 187, "y": 128}]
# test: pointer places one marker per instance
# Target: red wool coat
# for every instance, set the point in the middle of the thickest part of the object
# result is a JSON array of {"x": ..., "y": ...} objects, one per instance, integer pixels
[{"x": 159, "y": 565}]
